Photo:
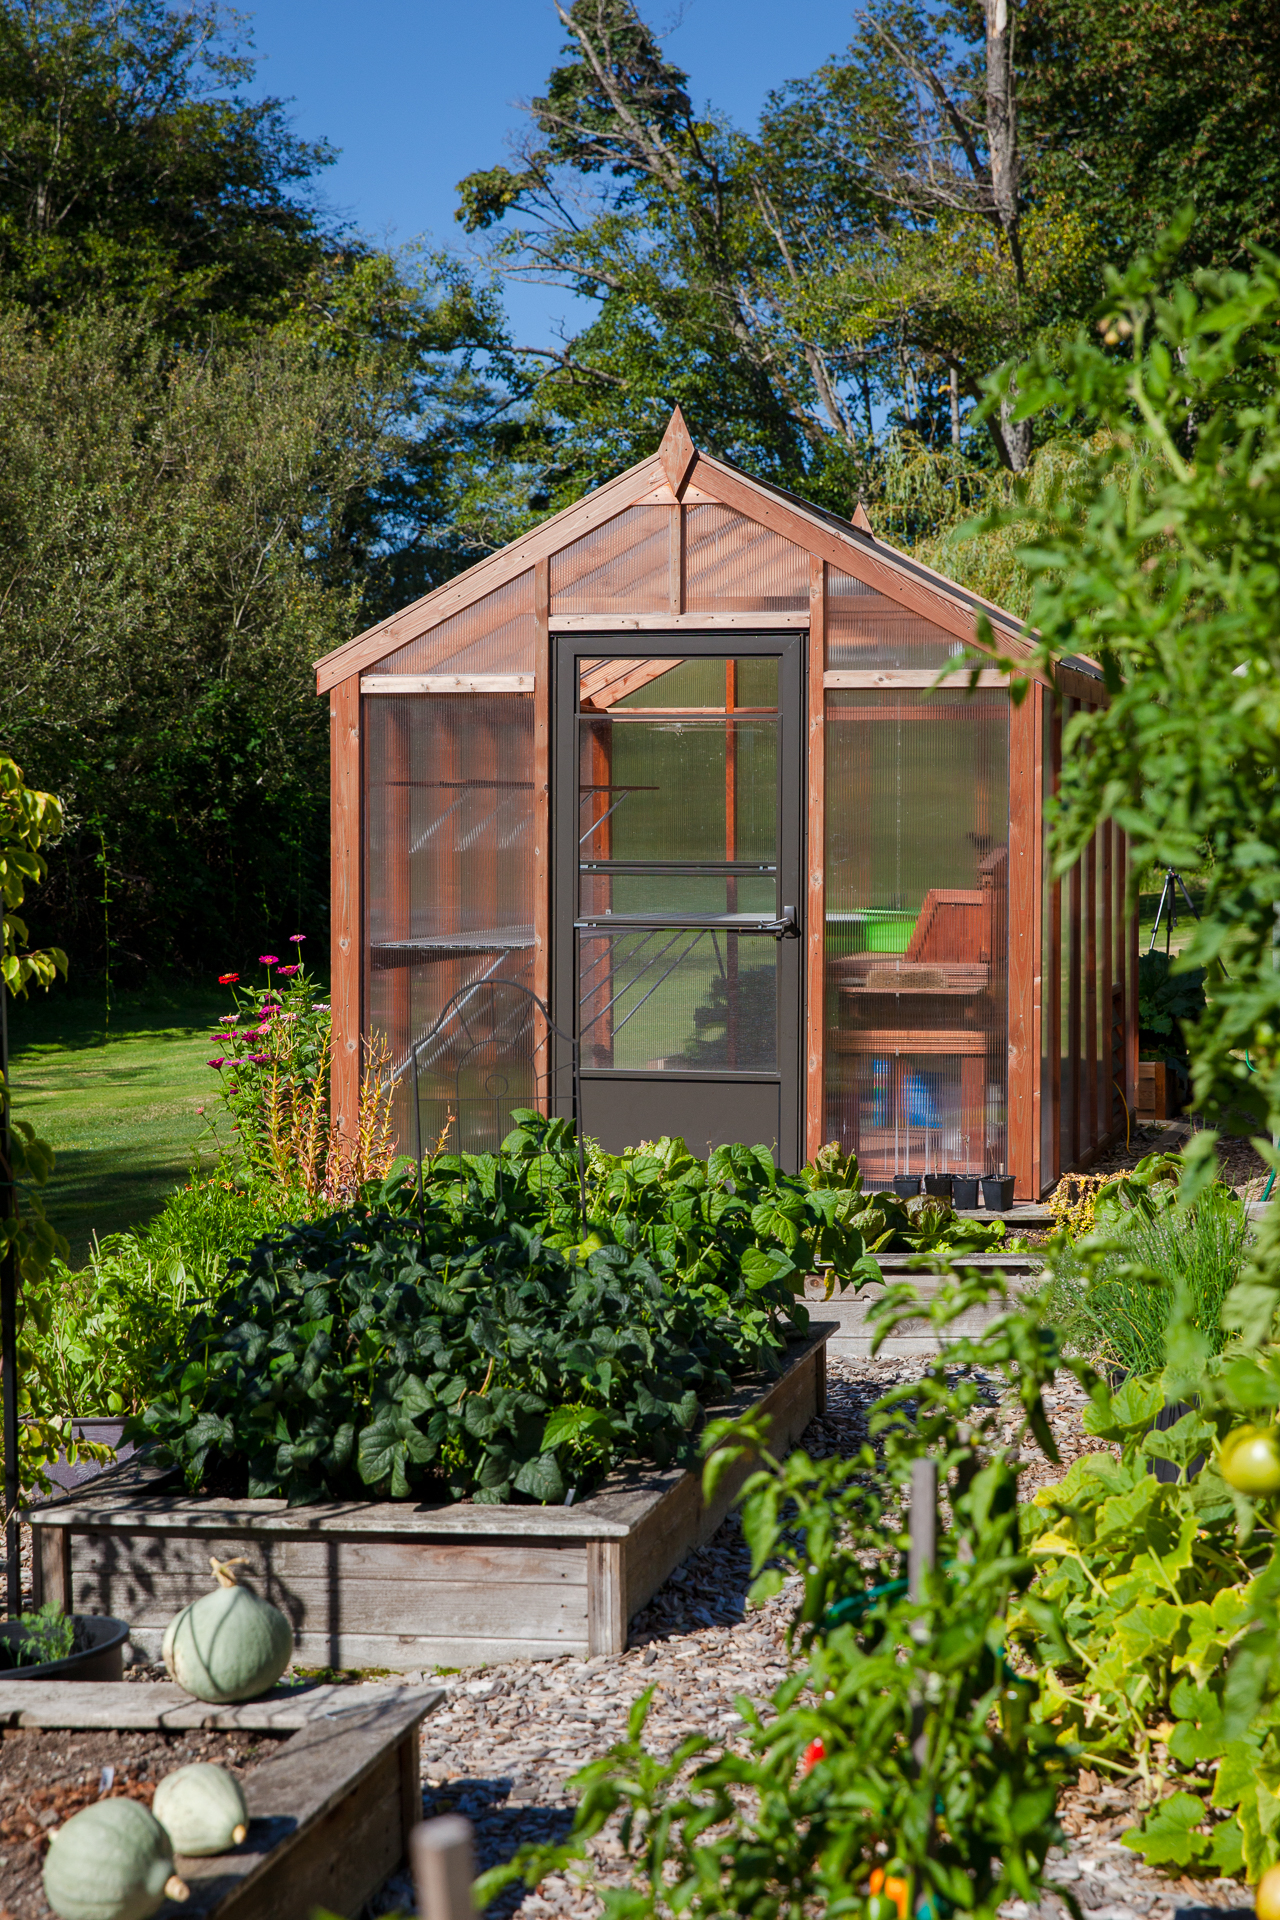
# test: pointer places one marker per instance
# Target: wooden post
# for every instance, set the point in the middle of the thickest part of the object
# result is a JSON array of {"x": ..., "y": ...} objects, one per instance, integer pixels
[
  {"x": 1109, "y": 1102},
  {"x": 1130, "y": 934},
  {"x": 1053, "y": 983},
  {"x": 922, "y": 1555},
  {"x": 542, "y": 821},
  {"x": 1023, "y": 962},
  {"x": 1092, "y": 1121},
  {"x": 443, "y": 1870},
  {"x": 346, "y": 838},
  {"x": 675, "y": 561},
  {"x": 815, "y": 1094}
]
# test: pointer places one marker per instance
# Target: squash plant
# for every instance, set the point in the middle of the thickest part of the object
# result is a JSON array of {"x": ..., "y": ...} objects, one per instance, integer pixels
[
  {"x": 899, "y": 1768},
  {"x": 1152, "y": 1617}
]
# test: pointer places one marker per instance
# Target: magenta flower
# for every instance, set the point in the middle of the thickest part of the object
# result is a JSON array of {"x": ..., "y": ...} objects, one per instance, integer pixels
[
  {"x": 258, "y": 1059},
  {"x": 287, "y": 973},
  {"x": 268, "y": 959},
  {"x": 296, "y": 939},
  {"x": 221, "y": 1062},
  {"x": 228, "y": 1019}
]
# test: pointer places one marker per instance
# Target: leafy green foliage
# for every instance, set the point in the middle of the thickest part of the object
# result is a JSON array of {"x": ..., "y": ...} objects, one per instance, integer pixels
[
  {"x": 1167, "y": 997},
  {"x": 1153, "y": 1616},
  {"x": 27, "y": 1238},
  {"x": 903, "y": 1742},
  {"x": 382, "y": 1351},
  {"x": 48, "y": 1634},
  {"x": 1114, "y": 1291},
  {"x": 1158, "y": 558},
  {"x": 100, "y": 1337}
]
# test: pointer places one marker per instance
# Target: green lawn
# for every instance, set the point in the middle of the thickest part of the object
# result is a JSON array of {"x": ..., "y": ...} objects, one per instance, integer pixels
[{"x": 122, "y": 1116}]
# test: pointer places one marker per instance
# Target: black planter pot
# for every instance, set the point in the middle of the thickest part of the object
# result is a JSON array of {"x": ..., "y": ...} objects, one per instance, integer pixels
[
  {"x": 964, "y": 1191},
  {"x": 905, "y": 1185},
  {"x": 939, "y": 1185},
  {"x": 997, "y": 1192},
  {"x": 99, "y": 1651}
]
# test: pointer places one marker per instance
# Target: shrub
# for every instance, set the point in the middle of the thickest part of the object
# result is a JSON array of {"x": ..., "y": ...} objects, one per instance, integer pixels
[{"x": 104, "y": 1334}]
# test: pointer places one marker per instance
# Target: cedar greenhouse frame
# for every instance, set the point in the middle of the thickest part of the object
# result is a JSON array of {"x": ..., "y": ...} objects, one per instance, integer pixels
[{"x": 825, "y": 903}]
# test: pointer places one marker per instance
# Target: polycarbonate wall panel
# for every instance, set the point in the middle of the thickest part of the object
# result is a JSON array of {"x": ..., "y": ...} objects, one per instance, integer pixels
[
  {"x": 734, "y": 565},
  {"x": 449, "y": 904},
  {"x": 917, "y": 930},
  {"x": 623, "y": 566},
  {"x": 867, "y": 630},
  {"x": 493, "y": 635}
]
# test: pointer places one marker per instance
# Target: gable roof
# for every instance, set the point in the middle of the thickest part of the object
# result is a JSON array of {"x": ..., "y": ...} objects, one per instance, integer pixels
[{"x": 676, "y": 472}]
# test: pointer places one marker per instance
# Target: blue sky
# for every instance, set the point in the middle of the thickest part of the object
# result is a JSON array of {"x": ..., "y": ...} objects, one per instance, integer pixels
[{"x": 418, "y": 93}]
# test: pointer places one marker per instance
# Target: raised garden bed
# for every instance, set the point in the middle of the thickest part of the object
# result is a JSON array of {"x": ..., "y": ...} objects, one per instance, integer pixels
[
  {"x": 331, "y": 1781},
  {"x": 402, "y": 1585},
  {"x": 916, "y": 1338}
]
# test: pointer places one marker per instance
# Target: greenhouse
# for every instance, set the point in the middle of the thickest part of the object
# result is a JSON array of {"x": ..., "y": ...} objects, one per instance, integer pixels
[{"x": 668, "y": 815}]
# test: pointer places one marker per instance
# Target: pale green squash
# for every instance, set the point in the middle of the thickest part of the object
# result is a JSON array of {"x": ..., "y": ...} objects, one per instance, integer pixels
[
  {"x": 202, "y": 1809},
  {"x": 228, "y": 1644},
  {"x": 113, "y": 1861}
]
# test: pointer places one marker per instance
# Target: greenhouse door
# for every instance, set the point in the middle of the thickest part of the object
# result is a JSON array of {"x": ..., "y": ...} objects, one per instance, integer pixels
[{"x": 678, "y": 807}]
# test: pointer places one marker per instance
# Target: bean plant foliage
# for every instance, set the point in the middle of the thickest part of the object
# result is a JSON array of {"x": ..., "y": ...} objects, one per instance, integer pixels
[{"x": 463, "y": 1331}]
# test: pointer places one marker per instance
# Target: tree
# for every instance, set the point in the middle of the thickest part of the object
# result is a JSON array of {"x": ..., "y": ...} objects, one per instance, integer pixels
[
  {"x": 1136, "y": 108},
  {"x": 922, "y": 210},
  {"x": 132, "y": 170},
  {"x": 1159, "y": 557},
  {"x": 175, "y": 533}
]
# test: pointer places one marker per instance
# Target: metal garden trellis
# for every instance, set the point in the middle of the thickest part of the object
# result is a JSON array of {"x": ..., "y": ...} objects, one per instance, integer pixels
[{"x": 464, "y": 1013}]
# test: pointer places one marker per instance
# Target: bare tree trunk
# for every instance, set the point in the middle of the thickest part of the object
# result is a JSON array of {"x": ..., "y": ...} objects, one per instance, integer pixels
[
  {"x": 954, "y": 383},
  {"x": 1014, "y": 437},
  {"x": 1002, "y": 130}
]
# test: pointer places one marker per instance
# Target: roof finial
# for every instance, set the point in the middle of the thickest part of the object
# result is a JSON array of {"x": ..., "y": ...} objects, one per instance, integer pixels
[
  {"x": 861, "y": 520},
  {"x": 677, "y": 452}
]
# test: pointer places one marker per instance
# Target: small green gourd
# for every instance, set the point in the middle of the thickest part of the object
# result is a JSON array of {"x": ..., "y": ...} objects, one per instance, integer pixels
[
  {"x": 202, "y": 1809},
  {"x": 113, "y": 1861},
  {"x": 227, "y": 1645}
]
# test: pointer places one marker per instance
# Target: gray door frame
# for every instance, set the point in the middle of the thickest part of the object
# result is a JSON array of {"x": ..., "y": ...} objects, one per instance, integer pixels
[{"x": 704, "y": 1095}]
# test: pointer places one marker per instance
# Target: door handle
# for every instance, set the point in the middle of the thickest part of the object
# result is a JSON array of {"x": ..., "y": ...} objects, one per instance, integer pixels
[{"x": 788, "y": 928}]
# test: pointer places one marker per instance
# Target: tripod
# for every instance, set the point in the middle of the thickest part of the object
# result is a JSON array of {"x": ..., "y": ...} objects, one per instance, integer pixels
[{"x": 1168, "y": 907}]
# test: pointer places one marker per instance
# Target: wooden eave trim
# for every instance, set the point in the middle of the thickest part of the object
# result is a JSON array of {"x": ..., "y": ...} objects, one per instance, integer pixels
[
  {"x": 411, "y": 622},
  {"x": 836, "y": 678},
  {"x": 447, "y": 683},
  {"x": 797, "y": 622}
]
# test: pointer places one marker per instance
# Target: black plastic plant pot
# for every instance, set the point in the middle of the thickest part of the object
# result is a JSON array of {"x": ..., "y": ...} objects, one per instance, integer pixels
[
  {"x": 906, "y": 1184},
  {"x": 964, "y": 1191},
  {"x": 940, "y": 1185},
  {"x": 997, "y": 1193},
  {"x": 98, "y": 1654}
]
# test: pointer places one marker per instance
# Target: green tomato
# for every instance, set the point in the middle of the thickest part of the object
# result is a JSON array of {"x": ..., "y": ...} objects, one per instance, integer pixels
[
  {"x": 1251, "y": 1460},
  {"x": 1266, "y": 1899}
]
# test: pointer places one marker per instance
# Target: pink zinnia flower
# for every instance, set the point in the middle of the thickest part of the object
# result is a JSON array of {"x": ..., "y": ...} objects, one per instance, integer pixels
[
  {"x": 268, "y": 959},
  {"x": 228, "y": 1019},
  {"x": 286, "y": 973},
  {"x": 218, "y": 1063},
  {"x": 297, "y": 938}
]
